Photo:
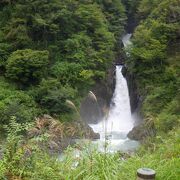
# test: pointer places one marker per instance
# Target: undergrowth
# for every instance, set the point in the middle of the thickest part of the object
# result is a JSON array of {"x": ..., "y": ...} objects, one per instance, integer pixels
[{"x": 24, "y": 160}]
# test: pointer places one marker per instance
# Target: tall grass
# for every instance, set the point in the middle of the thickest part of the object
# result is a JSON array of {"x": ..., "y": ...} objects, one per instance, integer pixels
[{"x": 163, "y": 157}]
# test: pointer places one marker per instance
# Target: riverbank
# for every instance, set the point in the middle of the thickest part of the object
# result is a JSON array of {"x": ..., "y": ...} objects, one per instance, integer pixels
[{"x": 28, "y": 162}]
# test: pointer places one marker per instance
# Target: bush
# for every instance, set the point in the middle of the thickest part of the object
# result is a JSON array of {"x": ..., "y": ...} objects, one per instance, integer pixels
[
  {"x": 19, "y": 105},
  {"x": 169, "y": 117},
  {"x": 27, "y": 66},
  {"x": 51, "y": 96},
  {"x": 74, "y": 74},
  {"x": 16, "y": 157},
  {"x": 16, "y": 103},
  {"x": 158, "y": 98}
]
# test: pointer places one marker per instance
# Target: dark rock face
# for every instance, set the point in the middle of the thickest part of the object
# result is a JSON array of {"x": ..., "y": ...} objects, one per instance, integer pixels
[
  {"x": 132, "y": 23},
  {"x": 135, "y": 99},
  {"x": 124, "y": 71},
  {"x": 90, "y": 111},
  {"x": 140, "y": 132},
  {"x": 133, "y": 91},
  {"x": 93, "y": 111},
  {"x": 137, "y": 133},
  {"x": 60, "y": 135}
]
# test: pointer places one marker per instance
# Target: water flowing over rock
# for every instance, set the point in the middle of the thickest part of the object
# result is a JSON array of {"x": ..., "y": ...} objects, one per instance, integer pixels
[
  {"x": 119, "y": 118},
  {"x": 115, "y": 127},
  {"x": 126, "y": 40}
]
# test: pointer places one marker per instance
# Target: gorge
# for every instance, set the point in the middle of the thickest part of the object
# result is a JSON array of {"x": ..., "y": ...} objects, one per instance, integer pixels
[
  {"x": 65, "y": 64},
  {"x": 118, "y": 122}
]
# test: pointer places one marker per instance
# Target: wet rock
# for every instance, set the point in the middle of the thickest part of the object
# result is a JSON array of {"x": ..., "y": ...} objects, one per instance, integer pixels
[
  {"x": 59, "y": 135},
  {"x": 93, "y": 111},
  {"x": 140, "y": 132},
  {"x": 124, "y": 71},
  {"x": 133, "y": 91},
  {"x": 137, "y": 133}
]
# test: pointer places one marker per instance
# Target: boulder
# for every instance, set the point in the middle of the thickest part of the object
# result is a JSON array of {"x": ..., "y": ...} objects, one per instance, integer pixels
[
  {"x": 140, "y": 132},
  {"x": 60, "y": 135}
]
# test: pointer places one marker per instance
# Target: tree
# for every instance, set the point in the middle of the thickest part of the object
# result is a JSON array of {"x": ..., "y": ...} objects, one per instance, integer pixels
[
  {"x": 16, "y": 103},
  {"x": 27, "y": 66},
  {"x": 51, "y": 96}
]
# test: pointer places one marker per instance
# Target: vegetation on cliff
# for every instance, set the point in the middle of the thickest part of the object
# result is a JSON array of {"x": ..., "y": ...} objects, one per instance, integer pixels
[
  {"x": 56, "y": 50},
  {"x": 155, "y": 59}
]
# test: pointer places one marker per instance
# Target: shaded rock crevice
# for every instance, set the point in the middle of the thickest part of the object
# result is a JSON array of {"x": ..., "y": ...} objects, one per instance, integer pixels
[{"x": 91, "y": 110}]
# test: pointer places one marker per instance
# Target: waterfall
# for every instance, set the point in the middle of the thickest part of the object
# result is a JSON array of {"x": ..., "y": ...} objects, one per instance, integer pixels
[
  {"x": 115, "y": 127},
  {"x": 126, "y": 40},
  {"x": 119, "y": 118}
]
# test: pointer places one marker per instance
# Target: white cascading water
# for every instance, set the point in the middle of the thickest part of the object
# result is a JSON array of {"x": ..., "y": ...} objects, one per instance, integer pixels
[
  {"x": 126, "y": 40},
  {"x": 119, "y": 118},
  {"x": 114, "y": 128}
]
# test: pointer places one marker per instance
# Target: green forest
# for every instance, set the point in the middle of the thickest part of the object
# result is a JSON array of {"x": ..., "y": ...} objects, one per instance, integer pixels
[{"x": 52, "y": 52}]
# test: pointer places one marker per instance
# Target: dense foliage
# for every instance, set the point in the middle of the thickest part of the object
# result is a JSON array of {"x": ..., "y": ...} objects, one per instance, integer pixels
[
  {"x": 15, "y": 103},
  {"x": 27, "y": 66},
  {"x": 154, "y": 60},
  {"x": 56, "y": 50}
]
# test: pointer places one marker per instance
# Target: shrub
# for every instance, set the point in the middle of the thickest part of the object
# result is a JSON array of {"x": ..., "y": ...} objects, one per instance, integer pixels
[
  {"x": 51, "y": 95},
  {"x": 169, "y": 117},
  {"x": 16, "y": 157},
  {"x": 16, "y": 103},
  {"x": 27, "y": 66}
]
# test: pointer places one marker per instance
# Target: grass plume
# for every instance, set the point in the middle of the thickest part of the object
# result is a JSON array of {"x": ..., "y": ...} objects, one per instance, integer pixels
[{"x": 92, "y": 96}]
